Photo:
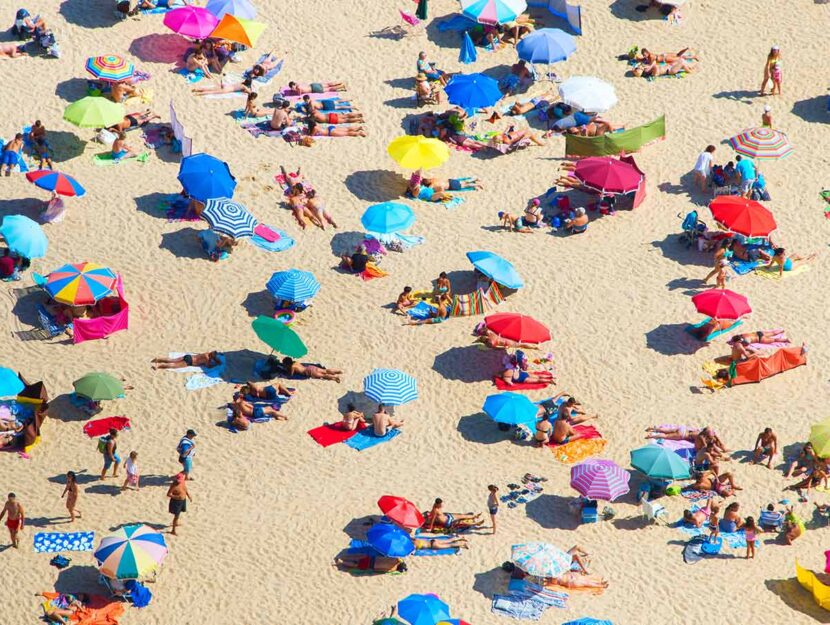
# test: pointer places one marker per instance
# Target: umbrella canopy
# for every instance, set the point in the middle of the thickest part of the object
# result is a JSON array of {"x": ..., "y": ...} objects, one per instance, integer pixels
[
  {"x": 511, "y": 408},
  {"x": 493, "y": 11},
  {"x": 10, "y": 383},
  {"x": 541, "y": 559},
  {"x": 293, "y": 285},
  {"x": 238, "y": 29},
  {"x": 417, "y": 152},
  {"x": 658, "y": 462},
  {"x": 94, "y": 112},
  {"x": 546, "y": 46},
  {"x": 762, "y": 143},
  {"x": 191, "y": 21},
  {"x": 587, "y": 93},
  {"x": 401, "y": 511},
  {"x": 468, "y": 53},
  {"x": 204, "y": 177},
  {"x": 80, "y": 284},
  {"x": 132, "y": 552},
  {"x": 279, "y": 337},
  {"x": 24, "y": 236},
  {"x": 454, "y": 621},
  {"x": 819, "y": 438},
  {"x": 97, "y": 386},
  {"x": 496, "y": 268},
  {"x": 607, "y": 174},
  {"x": 390, "y": 540},
  {"x": 721, "y": 304},
  {"x": 55, "y": 181},
  {"x": 238, "y": 8},
  {"x": 387, "y": 218},
  {"x": 228, "y": 217},
  {"x": 516, "y": 327},
  {"x": 600, "y": 479},
  {"x": 587, "y": 620},
  {"x": 423, "y": 609},
  {"x": 473, "y": 91},
  {"x": 110, "y": 68},
  {"x": 743, "y": 216},
  {"x": 390, "y": 387}
]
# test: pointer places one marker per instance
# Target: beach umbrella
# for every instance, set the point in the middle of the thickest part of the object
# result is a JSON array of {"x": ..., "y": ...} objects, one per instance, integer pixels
[
  {"x": 10, "y": 383},
  {"x": 423, "y": 609},
  {"x": 454, "y": 621},
  {"x": 546, "y": 46},
  {"x": 473, "y": 91},
  {"x": 390, "y": 387},
  {"x": 238, "y": 8},
  {"x": 191, "y": 21},
  {"x": 493, "y": 11},
  {"x": 820, "y": 438},
  {"x": 468, "y": 52},
  {"x": 541, "y": 559},
  {"x": 204, "y": 177},
  {"x": 110, "y": 68},
  {"x": 744, "y": 216},
  {"x": 516, "y": 327},
  {"x": 721, "y": 304},
  {"x": 401, "y": 511},
  {"x": 387, "y": 218},
  {"x": 80, "y": 284},
  {"x": 496, "y": 268},
  {"x": 132, "y": 552},
  {"x": 228, "y": 217},
  {"x": 94, "y": 112},
  {"x": 239, "y": 30},
  {"x": 24, "y": 236},
  {"x": 97, "y": 386},
  {"x": 587, "y": 620},
  {"x": 600, "y": 479},
  {"x": 762, "y": 143},
  {"x": 279, "y": 337},
  {"x": 421, "y": 11},
  {"x": 293, "y": 285},
  {"x": 607, "y": 174},
  {"x": 417, "y": 152},
  {"x": 50, "y": 180},
  {"x": 511, "y": 408},
  {"x": 587, "y": 93},
  {"x": 660, "y": 463},
  {"x": 390, "y": 540}
]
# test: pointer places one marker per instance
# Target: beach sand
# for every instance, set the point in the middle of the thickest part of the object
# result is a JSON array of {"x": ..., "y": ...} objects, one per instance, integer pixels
[{"x": 271, "y": 509}]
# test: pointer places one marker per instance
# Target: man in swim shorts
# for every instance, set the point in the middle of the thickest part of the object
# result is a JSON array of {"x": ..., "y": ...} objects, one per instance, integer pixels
[
  {"x": 15, "y": 518},
  {"x": 207, "y": 360},
  {"x": 178, "y": 496}
]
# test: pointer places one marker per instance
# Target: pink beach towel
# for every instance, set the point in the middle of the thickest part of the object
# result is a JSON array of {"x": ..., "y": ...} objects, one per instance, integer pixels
[{"x": 266, "y": 233}]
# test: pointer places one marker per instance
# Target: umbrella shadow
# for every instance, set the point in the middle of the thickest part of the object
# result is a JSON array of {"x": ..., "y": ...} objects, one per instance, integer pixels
[
  {"x": 690, "y": 286},
  {"x": 149, "y": 204},
  {"x": 239, "y": 365},
  {"x": 673, "y": 249},
  {"x": 467, "y": 364},
  {"x": 671, "y": 339},
  {"x": 71, "y": 90},
  {"x": 627, "y": 10},
  {"x": 479, "y": 428},
  {"x": 76, "y": 579},
  {"x": 404, "y": 102},
  {"x": 160, "y": 48},
  {"x": 797, "y": 599},
  {"x": 183, "y": 243},
  {"x": 636, "y": 522},
  {"x": 813, "y": 110},
  {"x": 375, "y": 185},
  {"x": 65, "y": 145},
  {"x": 406, "y": 82},
  {"x": 552, "y": 512},
  {"x": 258, "y": 303},
  {"x": 491, "y": 582},
  {"x": 62, "y": 408},
  {"x": 360, "y": 401},
  {"x": 357, "y": 527},
  {"x": 345, "y": 243},
  {"x": 25, "y": 307},
  {"x": 29, "y": 207},
  {"x": 89, "y": 14}
]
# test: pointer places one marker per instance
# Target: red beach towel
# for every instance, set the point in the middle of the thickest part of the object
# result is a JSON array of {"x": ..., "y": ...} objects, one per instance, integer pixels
[
  {"x": 99, "y": 427},
  {"x": 587, "y": 433},
  {"x": 327, "y": 435},
  {"x": 518, "y": 386}
]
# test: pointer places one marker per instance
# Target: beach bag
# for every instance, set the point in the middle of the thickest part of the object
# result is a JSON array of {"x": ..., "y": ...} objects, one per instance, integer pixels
[
  {"x": 102, "y": 444},
  {"x": 106, "y": 137}
]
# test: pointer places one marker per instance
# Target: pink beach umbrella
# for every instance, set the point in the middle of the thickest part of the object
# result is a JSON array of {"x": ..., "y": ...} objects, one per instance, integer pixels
[
  {"x": 600, "y": 479},
  {"x": 190, "y": 21}
]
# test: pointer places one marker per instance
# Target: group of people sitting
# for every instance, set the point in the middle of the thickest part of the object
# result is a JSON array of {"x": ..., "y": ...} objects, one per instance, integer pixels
[
  {"x": 557, "y": 416},
  {"x": 381, "y": 421},
  {"x": 449, "y": 127}
]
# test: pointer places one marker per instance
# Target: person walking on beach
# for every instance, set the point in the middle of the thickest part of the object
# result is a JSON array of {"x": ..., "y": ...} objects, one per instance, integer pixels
[
  {"x": 108, "y": 445},
  {"x": 703, "y": 167},
  {"x": 133, "y": 472},
  {"x": 493, "y": 504},
  {"x": 187, "y": 449},
  {"x": 71, "y": 494},
  {"x": 16, "y": 517},
  {"x": 772, "y": 71},
  {"x": 178, "y": 496}
]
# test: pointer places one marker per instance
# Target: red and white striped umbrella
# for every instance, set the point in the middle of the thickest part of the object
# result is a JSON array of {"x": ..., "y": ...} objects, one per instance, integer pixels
[
  {"x": 600, "y": 479},
  {"x": 762, "y": 143}
]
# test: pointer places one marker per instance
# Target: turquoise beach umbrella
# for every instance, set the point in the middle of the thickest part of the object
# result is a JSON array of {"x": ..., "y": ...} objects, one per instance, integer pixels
[
  {"x": 658, "y": 462},
  {"x": 511, "y": 408}
]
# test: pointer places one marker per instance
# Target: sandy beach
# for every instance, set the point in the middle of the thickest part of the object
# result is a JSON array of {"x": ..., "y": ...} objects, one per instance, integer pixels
[{"x": 271, "y": 508}]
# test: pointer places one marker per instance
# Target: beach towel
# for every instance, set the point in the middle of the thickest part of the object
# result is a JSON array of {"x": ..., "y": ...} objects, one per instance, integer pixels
[
  {"x": 283, "y": 242},
  {"x": 99, "y": 427},
  {"x": 199, "y": 381},
  {"x": 551, "y": 598},
  {"x": 757, "y": 369},
  {"x": 240, "y": 117},
  {"x": 54, "y": 542},
  {"x": 366, "y": 438},
  {"x": 715, "y": 334},
  {"x": 519, "y": 386},
  {"x": 477, "y": 302},
  {"x": 771, "y": 273},
  {"x": 357, "y": 546},
  {"x": 331, "y": 434},
  {"x": 735, "y": 540},
  {"x": 420, "y": 311},
  {"x": 176, "y": 208},
  {"x": 582, "y": 448},
  {"x": 106, "y": 159},
  {"x": 371, "y": 272},
  {"x": 743, "y": 267},
  {"x": 518, "y": 607},
  {"x": 263, "y": 128},
  {"x": 289, "y": 95}
]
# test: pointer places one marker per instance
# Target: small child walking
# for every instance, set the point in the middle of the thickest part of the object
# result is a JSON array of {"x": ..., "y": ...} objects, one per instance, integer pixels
[
  {"x": 493, "y": 504},
  {"x": 714, "y": 530},
  {"x": 133, "y": 472},
  {"x": 749, "y": 535}
]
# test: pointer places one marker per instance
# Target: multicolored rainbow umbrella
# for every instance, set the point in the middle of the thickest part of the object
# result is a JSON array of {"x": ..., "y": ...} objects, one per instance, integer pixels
[
  {"x": 111, "y": 68},
  {"x": 133, "y": 552},
  {"x": 762, "y": 143},
  {"x": 81, "y": 284}
]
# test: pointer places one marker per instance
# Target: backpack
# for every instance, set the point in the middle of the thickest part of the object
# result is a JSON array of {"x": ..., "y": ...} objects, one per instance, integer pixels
[
  {"x": 718, "y": 176},
  {"x": 102, "y": 444}
]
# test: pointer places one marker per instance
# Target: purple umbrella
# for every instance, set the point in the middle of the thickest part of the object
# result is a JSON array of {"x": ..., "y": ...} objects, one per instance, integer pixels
[{"x": 600, "y": 479}]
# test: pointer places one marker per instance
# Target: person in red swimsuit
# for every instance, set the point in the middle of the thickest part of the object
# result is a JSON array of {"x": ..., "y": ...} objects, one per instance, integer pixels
[{"x": 15, "y": 519}]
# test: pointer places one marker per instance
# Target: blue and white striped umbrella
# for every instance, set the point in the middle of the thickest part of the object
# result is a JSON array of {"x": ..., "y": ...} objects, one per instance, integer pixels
[
  {"x": 228, "y": 217},
  {"x": 293, "y": 285},
  {"x": 390, "y": 387}
]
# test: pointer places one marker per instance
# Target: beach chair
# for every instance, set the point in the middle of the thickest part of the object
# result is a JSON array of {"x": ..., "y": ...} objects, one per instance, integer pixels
[
  {"x": 653, "y": 512},
  {"x": 117, "y": 590},
  {"x": 589, "y": 511},
  {"x": 410, "y": 25},
  {"x": 48, "y": 323}
]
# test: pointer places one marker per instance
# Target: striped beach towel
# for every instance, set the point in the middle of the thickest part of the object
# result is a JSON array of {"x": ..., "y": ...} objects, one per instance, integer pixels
[{"x": 476, "y": 303}]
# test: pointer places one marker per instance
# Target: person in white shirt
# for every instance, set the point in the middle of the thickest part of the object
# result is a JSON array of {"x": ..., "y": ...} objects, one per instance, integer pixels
[{"x": 703, "y": 166}]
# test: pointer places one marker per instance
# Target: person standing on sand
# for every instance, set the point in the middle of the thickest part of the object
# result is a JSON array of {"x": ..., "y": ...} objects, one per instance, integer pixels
[
  {"x": 493, "y": 504},
  {"x": 109, "y": 447},
  {"x": 187, "y": 449},
  {"x": 703, "y": 167},
  {"x": 71, "y": 494},
  {"x": 16, "y": 518},
  {"x": 178, "y": 496}
]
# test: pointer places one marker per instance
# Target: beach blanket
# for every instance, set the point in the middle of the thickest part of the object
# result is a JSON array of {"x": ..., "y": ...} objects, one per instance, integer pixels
[
  {"x": 476, "y": 303},
  {"x": 551, "y": 598},
  {"x": 263, "y": 128},
  {"x": 519, "y": 386},
  {"x": 331, "y": 434},
  {"x": 743, "y": 267},
  {"x": 54, "y": 542},
  {"x": 771, "y": 273},
  {"x": 99, "y": 427},
  {"x": 714, "y": 334},
  {"x": 199, "y": 381},
  {"x": 106, "y": 159},
  {"x": 696, "y": 495},
  {"x": 420, "y": 311},
  {"x": 582, "y": 448},
  {"x": 282, "y": 242},
  {"x": 371, "y": 272},
  {"x": 735, "y": 540},
  {"x": 240, "y": 117},
  {"x": 366, "y": 438},
  {"x": 289, "y": 95}
]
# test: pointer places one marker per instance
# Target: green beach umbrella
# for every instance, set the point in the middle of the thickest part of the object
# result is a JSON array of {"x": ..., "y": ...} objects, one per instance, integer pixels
[
  {"x": 98, "y": 385},
  {"x": 279, "y": 337},
  {"x": 820, "y": 438},
  {"x": 659, "y": 462},
  {"x": 94, "y": 112}
]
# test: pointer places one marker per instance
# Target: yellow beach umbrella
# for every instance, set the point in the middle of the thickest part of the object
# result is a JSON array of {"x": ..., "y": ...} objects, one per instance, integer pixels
[
  {"x": 415, "y": 152},
  {"x": 820, "y": 438},
  {"x": 238, "y": 29}
]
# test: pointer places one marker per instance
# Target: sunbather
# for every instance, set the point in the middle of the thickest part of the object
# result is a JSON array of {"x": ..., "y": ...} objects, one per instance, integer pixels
[
  {"x": 652, "y": 70},
  {"x": 421, "y": 188},
  {"x": 122, "y": 90},
  {"x": 317, "y": 208},
  {"x": 723, "y": 484},
  {"x": 197, "y": 60},
  {"x": 299, "y": 88},
  {"x": 352, "y": 418},
  {"x": 572, "y": 579},
  {"x": 578, "y": 223},
  {"x": 793, "y": 526},
  {"x": 265, "y": 391},
  {"x": 260, "y": 69},
  {"x": 332, "y": 104},
  {"x": 513, "y": 223},
  {"x": 513, "y": 136},
  {"x": 281, "y": 119},
  {"x": 251, "y": 109},
  {"x": 540, "y": 102},
  {"x": 449, "y": 520},
  {"x": 313, "y": 129},
  {"x": 60, "y": 607},
  {"x": 766, "y": 446},
  {"x": 298, "y": 202},
  {"x": 761, "y": 336},
  {"x": 494, "y": 341},
  {"x": 816, "y": 478},
  {"x": 246, "y": 86},
  {"x": 453, "y": 184},
  {"x": 673, "y": 433},
  {"x": 700, "y": 516},
  {"x": 405, "y": 301},
  {"x": 205, "y": 359},
  {"x": 788, "y": 263},
  {"x": 651, "y": 57},
  {"x": 594, "y": 128},
  {"x": 517, "y": 28},
  {"x": 570, "y": 411},
  {"x": 516, "y": 371},
  {"x": 243, "y": 408},
  {"x": 701, "y": 333},
  {"x": 442, "y": 542},
  {"x": 379, "y": 564},
  {"x": 568, "y": 181},
  {"x": 134, "y": 120},
  {"x": 336, "y": 117},
  {"x": 563, "y": 433},
  {"x": 315, "y": 372},
  {"x": 10, "y": 50},
  {"x": 438, "y": 314}
]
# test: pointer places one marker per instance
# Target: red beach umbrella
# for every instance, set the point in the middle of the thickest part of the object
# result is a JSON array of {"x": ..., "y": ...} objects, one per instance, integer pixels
[
  {"x": 608, "y": 175},
  {"x": 743, "y": 216},
  {"x": 721, "y": 304},
  {"x": 516, "y": 327},
  {"x": 401, "y": 511}
]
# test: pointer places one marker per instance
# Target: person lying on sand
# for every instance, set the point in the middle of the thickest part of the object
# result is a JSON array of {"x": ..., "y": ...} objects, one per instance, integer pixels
[
  {"x": 449, "y": 520},
  {"x": 420, "y": 188},
  {"x": 441, "y": 185},
  {"x": 513, "y": 136},
  {"x": 243, "y": 408},
  {"x": 336, "y": 118},
  {"x": 594, "y": 128},
  {"x": 313, "y": 129},
  {"x": 263, "y": 67},
  {"x": 298, "y": 202},
  {"x": 652, "y": 70},
  {"x": 205, "y": 359},
  {"x": 645, "y": 56},
  {"x": 379, "y": 564},
  {"x": 9, "y": 50},
  {"x": 246, "y": 86},
  {"x": 787, "y": 262},
  {"x": 293, "y": 368},
  {"x": 331, "y": 104},
  {"x": 713, "y": 325},
  {"x": 265, "y": 391},
  {"x": 700, "y": 516},
  {"x": 442, "y": 542},
  {"x": 300, "y": 88},
  {"x": 494, "y": 341},
  {"x": 60, "y": 607},
  {"x": 134, "y": 120},
  {"x": 817, "y": 477},
  {"x": 573, "y": 579},
  {"x": 317, "y": 208}
]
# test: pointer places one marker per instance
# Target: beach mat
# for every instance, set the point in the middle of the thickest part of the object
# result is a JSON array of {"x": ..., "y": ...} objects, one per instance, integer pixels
[
  {"x": 54, "y": 542},
  {"x": 771, "y": 273},
  {"x": 282, "y": 243},
  {"x": 99, "y": 427},
  {"x": 106, "y": 159},
  {"x": 523, "y": 386},
  {"x": 366, "y": 439},
  {"x": 327, "y": 434},
  {"x": 576, "y": 451}
]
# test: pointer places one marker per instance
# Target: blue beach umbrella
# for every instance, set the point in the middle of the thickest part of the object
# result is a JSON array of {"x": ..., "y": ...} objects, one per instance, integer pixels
[
  {"x": 204, "y": 177},
  {"x": 496, "y": 268},
  {"x": 24, "y": 236},
  {"x": 293, "y": 285},
  {"x": 10, "y": 384},
  {"x": 660, "y": 463},
  {"x": 390, "y": 387},
  {"x": 423, "y": 609},
  {"x": 468, "y": 50},
  {"x": 387, "y": 218},
  {"x": 473, "y": 91},
  {"x": 228, "y": 217},
  {"x": 546, "y": 46},
  {"x": 510, "y": 408},
  {"x": 390, "y": 540}
]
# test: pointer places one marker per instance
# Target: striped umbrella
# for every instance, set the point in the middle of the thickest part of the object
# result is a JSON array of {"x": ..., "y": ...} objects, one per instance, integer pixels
[
  {"x": 228, "y": 217},
  {"x": 762, "y": 143},
  {"x": 541, "y": 559},
  {"x": 390, "y": 387},
  {"x": 61, "y": 184},
  {"x": 293, "y": 285},
  {"x": 110, "y": 68},
  {"x": 600, "y": 479},
  {"x": 81, "y": 284},
  {"x": 132, "y": 552},
  {"x": 24, "y": 236},
  {"x": 493, "y": 11}
]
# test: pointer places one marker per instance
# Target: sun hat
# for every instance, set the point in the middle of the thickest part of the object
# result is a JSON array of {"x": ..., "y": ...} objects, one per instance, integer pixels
[{"x": 421, "y": 77}]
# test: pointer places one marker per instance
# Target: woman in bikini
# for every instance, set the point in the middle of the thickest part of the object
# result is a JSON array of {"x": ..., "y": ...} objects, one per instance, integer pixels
[
  {"x": 651, "y": 57},
  {"x": 421, "y": 188},
  {"x": 297, "y": 201},
  {"x": 442, "y": 542},
  {"x": 515, "y": 371},
  {"x": 788, "y": 263},
  {"x": 336, "y": 118},
  {"x": 197, "y": 60},
  {"x": 246, "y": 86},
  {"x": 134, "y": 120},
  {"x": 313, "y": 129},
  {"x": 251, "y": 109},
  {"x": 315, "y": 87},
  {"x": 653, "y": 70},
  {"x": 316, "y": 207},
  {"x": 544, "y": 432},
  {"x": 294, "y": 368}
]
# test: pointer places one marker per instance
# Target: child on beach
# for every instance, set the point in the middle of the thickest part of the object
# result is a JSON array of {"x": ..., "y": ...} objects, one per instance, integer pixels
[
  {"x": 71, "y": 494},
  {"x": 493, "y": 504},
  {"x": 749, "y": 535},
  {"x": 766, "y": 117},
  {"x": 133, "y": 472},
  {"x": 714, "y": 530}
]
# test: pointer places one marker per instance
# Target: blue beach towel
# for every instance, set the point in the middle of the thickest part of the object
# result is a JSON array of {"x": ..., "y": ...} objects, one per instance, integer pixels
[
  {"x": 524, "y": 588},
  {"x": 191, "y": 77},
  {"x": 366, "y": 439},
  {"x": 283, "y": 243},
  {"x": 743, "y": 267},
  {"x": 716, "y": 334},
  {"x": 54, "y": 542},
  {"x": 421, "y": 311},
  {"x": 518, "y": 608}
]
